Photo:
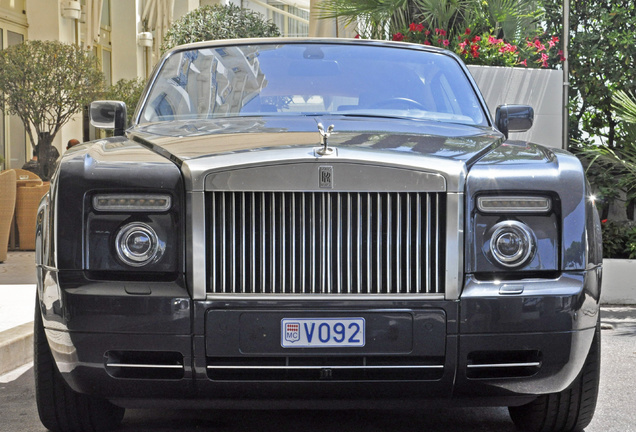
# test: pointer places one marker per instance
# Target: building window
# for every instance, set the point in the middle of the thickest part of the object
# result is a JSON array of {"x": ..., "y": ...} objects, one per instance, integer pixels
[{"x": 287, "y": 25}]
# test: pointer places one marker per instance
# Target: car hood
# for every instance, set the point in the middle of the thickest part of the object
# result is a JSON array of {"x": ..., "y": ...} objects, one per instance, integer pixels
[{"x": 187, "y": 140}]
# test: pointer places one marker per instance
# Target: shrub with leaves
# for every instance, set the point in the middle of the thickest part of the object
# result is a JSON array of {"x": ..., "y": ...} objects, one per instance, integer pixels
[
  {"x": 128, "y": 91},
  {"x": 45, "y": 83},
  {"x": 218, "y": 22},
  {"x": 619, "y": 240}
]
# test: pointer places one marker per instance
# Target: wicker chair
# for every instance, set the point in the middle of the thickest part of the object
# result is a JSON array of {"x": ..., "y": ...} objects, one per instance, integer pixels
[
  {"x": 7, "y": 207},
  {"x": 22, "y": 173},
  {"x": 26, "y": 210}
]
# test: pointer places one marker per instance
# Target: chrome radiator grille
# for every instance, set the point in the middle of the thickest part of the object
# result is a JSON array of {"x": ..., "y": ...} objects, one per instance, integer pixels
[{"x": 325, "y": 243}]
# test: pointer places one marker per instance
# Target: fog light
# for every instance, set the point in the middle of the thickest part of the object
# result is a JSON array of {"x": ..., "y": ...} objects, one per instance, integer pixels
[
  {"x": 137, "y": 245},
  {"x": 512, "y": 243}
]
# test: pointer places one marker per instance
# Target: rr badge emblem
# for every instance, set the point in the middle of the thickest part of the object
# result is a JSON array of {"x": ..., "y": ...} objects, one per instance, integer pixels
[{"x": 325, "y": 177}]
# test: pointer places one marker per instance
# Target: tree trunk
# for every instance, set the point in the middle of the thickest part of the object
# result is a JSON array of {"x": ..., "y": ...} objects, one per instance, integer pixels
[{"x": 47, "y": 155}]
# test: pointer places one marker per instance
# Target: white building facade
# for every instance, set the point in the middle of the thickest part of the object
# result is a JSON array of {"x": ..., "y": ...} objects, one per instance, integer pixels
[{"x": 125, "y": 35}]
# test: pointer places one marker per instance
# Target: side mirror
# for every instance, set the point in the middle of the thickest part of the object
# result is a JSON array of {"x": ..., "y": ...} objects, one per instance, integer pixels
[
  {"x": 513, "y": 118},
  {"x": 109, "y": 115}
]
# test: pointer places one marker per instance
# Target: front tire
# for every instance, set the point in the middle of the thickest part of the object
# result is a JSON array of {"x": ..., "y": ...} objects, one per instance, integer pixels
[
  {"x": 62, "y": 409},
  {"x": 570, "y": 410}
]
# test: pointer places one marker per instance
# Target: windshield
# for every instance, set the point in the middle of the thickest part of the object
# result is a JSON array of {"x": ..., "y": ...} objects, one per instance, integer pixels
[{"x": 312, "y": 79}]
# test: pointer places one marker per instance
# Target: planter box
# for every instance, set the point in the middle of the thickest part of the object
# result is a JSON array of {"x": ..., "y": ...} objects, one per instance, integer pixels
[
  {"x": 542, "y": 89},
  {"x": 619, "y": 282}
]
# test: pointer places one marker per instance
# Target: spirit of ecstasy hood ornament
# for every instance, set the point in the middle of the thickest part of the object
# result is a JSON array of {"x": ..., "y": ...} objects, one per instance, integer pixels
[{"x": 325, "y": 150}]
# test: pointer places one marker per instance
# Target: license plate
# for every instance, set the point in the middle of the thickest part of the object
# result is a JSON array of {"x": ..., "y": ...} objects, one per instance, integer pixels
[{"x": 322, "y": 332}]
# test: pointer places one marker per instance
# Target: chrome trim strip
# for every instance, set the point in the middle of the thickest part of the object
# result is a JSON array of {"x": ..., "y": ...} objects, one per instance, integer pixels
[
  {"x": 263, "y": 243},
  {"x": 223, "y": 269},
  {"x": 389, "y": 242},
  {"x": 196, "y": 247},
  {"x": 326, "y": 367},
  {"x": 454, "y": 242},
  {"x": 321, "y": 297},
  {"x": 503, "y": 365},
  {"x": 293, "y": 246},
  {"x": 427, "y": 244},
  {"x": 143, "y": 366},
  {"x": 283, "y": 176},
  {"x": 272, "y": 266},
  {"x": 369, "y": 245},
  {"x": 359, "y": 244},
  {"x": 349, "y": 242},
  {"x": 418, "y": 242}
]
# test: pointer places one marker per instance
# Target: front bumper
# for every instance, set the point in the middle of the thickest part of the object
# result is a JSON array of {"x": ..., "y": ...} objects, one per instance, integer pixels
[{"x": 144, "y": 344}]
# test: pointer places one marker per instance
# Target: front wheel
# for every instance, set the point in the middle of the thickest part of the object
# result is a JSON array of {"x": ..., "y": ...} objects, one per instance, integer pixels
[
  {"x": 570, "y": 410},
  {"x": 62, "y": 409}
]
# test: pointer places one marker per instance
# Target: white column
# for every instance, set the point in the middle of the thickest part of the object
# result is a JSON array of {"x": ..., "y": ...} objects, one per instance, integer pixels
[{"x": 128, "y": 56}]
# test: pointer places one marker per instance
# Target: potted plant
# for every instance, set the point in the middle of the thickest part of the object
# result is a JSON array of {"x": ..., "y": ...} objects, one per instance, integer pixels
[{"x": 45, "y": 83}]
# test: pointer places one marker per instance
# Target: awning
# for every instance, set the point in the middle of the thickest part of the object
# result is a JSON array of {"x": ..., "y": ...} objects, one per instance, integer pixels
[{"x": 159, "y": 16}]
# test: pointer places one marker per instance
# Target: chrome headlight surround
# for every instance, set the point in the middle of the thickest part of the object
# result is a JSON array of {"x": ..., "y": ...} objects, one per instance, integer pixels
[
  {"x": 137, "y": 244},
  {"x": 512, "y": 244}
]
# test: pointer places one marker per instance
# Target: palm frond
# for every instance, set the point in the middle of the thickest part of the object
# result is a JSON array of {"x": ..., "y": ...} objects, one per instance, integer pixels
[
  {"x": 444, "y": 14},
  {"x": 625, "y": 106},
  {"x": 375, "y": 18}
]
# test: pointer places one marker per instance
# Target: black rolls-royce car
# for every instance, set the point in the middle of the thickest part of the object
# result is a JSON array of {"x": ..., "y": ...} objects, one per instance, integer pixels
[{"x": 316, "y": 223}]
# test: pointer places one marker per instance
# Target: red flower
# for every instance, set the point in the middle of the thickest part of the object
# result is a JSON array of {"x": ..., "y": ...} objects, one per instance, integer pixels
[
  {"x": 445, "y": 42},
  {"x": 476, "y": 39},
  {"x": 398, "y": 37},
  {"x": 604, "y": 221},
  {"x": 426, "y": 42},
  {"x": 525, "y": 63},
  {"x": 419, "y": 27},
  {"x": 427, "y": 32},
  {"x": 440, "y": 32},
  {"x": 560, "y": 54},
  {"x": 467, "y": 32},
  {"x": 412, "y": 27},
  {"x": 357, "y": 36}
]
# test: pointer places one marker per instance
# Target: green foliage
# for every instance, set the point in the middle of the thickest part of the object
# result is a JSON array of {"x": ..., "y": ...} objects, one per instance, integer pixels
[
  {"x": 512, "y": 20},
  {"x": 375, "y": 19},
  {"x": 218, "y": 22},
  {"x": 127, "y": 91},
  {"x": 452, "y": 15},
  {"x": 619, "y": 240},
  {"x": 602, "y": 58},
  {"x": 45, "y": 83},
  {"x": 483, "y": 32},
  {"x": 614, "y": 169}
]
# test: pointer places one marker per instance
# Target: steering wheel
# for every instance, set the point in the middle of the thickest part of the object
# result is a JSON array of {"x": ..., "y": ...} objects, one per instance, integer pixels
[{"x": 399, "y": 103}]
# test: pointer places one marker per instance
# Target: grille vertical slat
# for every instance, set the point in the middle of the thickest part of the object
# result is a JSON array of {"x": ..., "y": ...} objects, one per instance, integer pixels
[{"x": 325, "y": 243}]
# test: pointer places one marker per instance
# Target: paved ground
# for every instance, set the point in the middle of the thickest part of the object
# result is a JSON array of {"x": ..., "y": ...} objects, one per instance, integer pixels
[
  {"x": 18, "y": 269},
  {"x": 17, "y": 289}
]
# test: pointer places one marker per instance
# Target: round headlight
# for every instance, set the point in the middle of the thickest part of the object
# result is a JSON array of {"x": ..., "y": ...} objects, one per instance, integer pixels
[
  {"x": 137, "y": 244},
  {"x": 512, "y": 243}
]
